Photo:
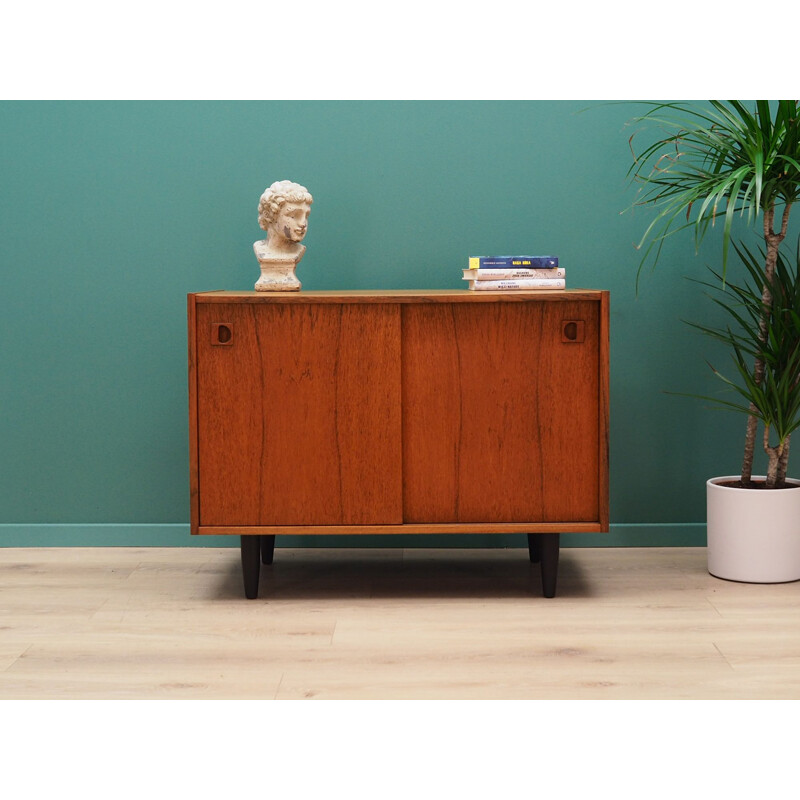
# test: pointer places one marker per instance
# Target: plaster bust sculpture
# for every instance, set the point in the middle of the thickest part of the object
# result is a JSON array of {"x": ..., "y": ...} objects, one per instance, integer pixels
[{"x": 283, "y": 213}]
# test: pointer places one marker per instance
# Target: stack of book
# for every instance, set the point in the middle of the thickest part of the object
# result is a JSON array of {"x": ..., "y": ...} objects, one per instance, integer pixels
[{"x": 514, "y": 273}]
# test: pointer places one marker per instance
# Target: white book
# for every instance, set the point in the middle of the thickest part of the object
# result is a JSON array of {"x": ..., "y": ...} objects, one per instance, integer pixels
[
  {"x": 484, "y": 274},
  {"x": 530, "y": 283}
]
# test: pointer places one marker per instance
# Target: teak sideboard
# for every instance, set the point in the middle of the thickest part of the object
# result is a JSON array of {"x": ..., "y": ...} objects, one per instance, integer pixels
[{"x": 386, "y": 412}]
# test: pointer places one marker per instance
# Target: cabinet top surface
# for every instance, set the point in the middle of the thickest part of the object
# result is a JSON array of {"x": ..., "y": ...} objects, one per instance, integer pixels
[{"x": 397, "y": 296}]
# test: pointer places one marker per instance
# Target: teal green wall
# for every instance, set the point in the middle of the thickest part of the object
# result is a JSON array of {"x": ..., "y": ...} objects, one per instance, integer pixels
[{"x": 113, "y": 211}]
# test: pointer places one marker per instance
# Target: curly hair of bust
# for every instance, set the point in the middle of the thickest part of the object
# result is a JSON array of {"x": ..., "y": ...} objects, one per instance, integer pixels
[{"x": 277, "y": 195}]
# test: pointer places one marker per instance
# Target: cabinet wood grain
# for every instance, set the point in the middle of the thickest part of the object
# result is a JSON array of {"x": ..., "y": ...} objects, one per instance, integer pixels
[
  {"x": 500, "y": 417},
  {"x": 298, "y": 420}
]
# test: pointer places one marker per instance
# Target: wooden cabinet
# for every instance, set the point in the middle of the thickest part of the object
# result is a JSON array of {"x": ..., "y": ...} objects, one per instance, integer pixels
[{"x": 398, "y": 412}]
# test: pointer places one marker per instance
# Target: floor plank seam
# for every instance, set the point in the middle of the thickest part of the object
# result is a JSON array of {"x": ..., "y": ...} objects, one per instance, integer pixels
[
  {"x": 11, "y": 664},
  {"x": 719, "y": 613},
  {"x": 723, "y": 656}
]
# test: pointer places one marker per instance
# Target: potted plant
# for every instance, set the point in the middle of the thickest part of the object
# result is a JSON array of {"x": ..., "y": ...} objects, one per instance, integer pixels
[
  {"x": 716, "y": 161},
  {"x": 755, "y": 535}
]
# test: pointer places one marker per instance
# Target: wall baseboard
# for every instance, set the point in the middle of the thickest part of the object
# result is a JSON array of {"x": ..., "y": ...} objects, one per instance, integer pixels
[{"x": 690, "y": 534}]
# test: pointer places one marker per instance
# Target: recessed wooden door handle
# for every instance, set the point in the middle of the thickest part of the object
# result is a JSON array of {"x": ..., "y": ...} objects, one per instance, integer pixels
[
  {"x": 573, "y": 331},
  {"x": 221, "y": 333}
]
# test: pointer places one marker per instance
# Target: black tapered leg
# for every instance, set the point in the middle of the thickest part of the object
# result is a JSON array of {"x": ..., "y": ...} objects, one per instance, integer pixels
[
  {"x": 251, "y": 565},
  {"x": 267, "y": 549},
  {"x": 548, "y": 542},
  {"x": 534, "y": 548}
]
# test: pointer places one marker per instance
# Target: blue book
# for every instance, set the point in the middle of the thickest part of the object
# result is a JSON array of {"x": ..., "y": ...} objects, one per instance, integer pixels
[{"x": 513, "y": 262}]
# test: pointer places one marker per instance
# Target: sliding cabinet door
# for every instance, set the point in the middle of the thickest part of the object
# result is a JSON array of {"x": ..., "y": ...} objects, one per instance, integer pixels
[
  {"x": 500, "y": 411},
  {"x": 298, "y": 408}
]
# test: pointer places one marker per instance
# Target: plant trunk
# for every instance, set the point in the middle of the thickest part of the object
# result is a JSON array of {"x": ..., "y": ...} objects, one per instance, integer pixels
[
  {"x": 783, "y": 463},
  {"x": 772, "y": 472},
  {"x": 773, "y": 241},
  {"x": 775, "y": 454}
]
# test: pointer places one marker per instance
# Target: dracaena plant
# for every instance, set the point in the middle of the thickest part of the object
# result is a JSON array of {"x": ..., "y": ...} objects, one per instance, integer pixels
[
  {"x": 775, "y": 399},
  {"x": 714, "y": 162}
]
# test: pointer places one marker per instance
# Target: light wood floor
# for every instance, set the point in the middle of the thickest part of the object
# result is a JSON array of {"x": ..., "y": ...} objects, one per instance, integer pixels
[{"x": 628, "y": 623}]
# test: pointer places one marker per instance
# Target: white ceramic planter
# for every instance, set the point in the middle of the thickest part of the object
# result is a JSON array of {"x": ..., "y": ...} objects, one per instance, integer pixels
[{"x": 753, "y": 534}]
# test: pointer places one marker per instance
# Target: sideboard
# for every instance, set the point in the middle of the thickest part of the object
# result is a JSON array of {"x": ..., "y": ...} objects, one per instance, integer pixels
[{"x": 397, "y": 412}]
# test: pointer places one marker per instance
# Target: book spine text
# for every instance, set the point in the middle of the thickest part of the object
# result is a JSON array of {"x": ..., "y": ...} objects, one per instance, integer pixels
[
  {"x": 530, "y": 283},
  {"x": 513, "y": 262},
  {"x": 513, "y": 274}
]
